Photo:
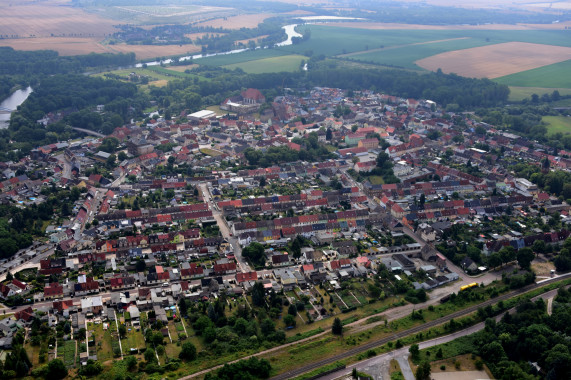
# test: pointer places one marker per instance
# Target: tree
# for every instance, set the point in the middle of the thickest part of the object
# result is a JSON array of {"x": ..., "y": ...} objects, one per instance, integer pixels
[
  {"x": 122, "y": 331},
  {"x": 292, "y": 310},
  {"x": 56, "y": 370},
  {"x": 9, "y": 276},
  {"x": 188, "y": 351},
  {"x": 289, "y": 320},
  {"x": 423, "y": 371},
  {"x": 267, "y": 327},
  {"x": 414, "y": 352},
  {"x": 337, "y": 327},
  {"x": 524, "y": 257},
  {"x": 507, "y": 254},
  {"x": 255, "y": 253},
  {"x": 494, "y": 260},
  {"x": 258, "y": 294},
  {"x": 121, "y": 156},
  {"x": 150, "y": 355}
]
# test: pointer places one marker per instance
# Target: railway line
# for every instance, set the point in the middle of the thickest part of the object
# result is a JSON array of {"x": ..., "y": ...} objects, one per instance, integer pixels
[{"x": 414, "y": 330}]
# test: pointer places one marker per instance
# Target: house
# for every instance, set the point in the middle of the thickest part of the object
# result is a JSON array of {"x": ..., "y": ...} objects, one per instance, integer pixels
[
  {"x": 53, "y": 290},
  {"x": 468, "y": 265},
  {"x": 280, "y": 260},
  {"x": 246, "y": 276},
  {"x": 368, "y": 144}
]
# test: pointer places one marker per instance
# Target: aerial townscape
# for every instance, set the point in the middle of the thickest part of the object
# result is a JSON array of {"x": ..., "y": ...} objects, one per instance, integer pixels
[{"x": 285, "y": 190}]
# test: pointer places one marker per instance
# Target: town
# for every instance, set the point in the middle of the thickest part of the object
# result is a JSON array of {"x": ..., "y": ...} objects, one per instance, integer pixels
[{"x": 322, "y": 204}]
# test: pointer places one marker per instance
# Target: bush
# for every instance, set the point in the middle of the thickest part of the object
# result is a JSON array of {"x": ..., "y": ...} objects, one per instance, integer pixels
[{"x": 443, "y": 367}]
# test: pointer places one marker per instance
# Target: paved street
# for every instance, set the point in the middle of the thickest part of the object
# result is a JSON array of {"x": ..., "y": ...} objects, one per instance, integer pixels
[{"x": 224, "y": 229}]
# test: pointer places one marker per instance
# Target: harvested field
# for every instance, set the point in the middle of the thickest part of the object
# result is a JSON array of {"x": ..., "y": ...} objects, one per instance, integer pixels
[
  {"x": 255, "y": 39},
  {"x": 237, "y": 22},
  {"x": 194, "y": 36},
  {"x": 381, "y": 25},
  {"x": 496, "y": 61},
  {"x": 74, "y": 46},
  {"x": 50, "y": 19},
  {"x": 182, "y": 69}
]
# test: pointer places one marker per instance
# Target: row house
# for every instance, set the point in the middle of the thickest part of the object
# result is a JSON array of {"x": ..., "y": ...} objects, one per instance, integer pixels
[{"x": 53, "y": 290}]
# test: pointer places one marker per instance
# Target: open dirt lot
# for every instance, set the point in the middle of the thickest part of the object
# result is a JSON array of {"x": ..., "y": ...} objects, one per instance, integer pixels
[
  {"x": 380, "y": 26},
  {"x": 21, "y": 19},
  {"x": 460, "y": 375},
  {"x": 181, "y": 69},
  {"x": 75, "y": 46},
  {"x": 498, "y": 60},
  {"x": 237, "y": 22}
]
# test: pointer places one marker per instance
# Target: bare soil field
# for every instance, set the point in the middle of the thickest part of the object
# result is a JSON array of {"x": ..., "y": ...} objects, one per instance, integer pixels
[
  {"x": 237, "y": 22},
  {"x": 194, "y": 36},
  {"x": 75, "y": 46},
  {"x": 181, "y": 69},
  {"x": 380, "y": 26},
  {"x": 255, "y": 39},
  {"x": 496, "y": 61},
  {"x": 50, "y": 19}
]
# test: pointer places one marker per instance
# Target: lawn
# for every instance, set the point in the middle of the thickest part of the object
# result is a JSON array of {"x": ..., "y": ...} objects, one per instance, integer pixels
[
  {"x": 270, "y": 65},
  {"x": 376, "y": 180},
  {"x": 557, "y": 124},
  {"x": 133, "y": 339},
  {"x": 551, "y": 76},
  {"x": 105, "y": 341},
  {"x": 170, "y": 72}
]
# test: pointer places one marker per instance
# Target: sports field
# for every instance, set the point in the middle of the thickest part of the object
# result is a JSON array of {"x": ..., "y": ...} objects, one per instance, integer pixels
[
  {"x": 552, "y": 76},
  {"x": 270, "y": 65},
  {"x": 557, "y": 124}
]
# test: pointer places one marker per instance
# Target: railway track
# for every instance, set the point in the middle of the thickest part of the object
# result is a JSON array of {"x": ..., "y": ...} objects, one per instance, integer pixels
[{"x": 371, "y": 345}]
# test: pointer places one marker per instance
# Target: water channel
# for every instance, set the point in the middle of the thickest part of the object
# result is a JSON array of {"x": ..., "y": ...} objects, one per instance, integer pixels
[{"x": 10, "y": 104}]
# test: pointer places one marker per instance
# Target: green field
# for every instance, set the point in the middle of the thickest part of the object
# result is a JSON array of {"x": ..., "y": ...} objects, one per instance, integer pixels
[
  {"x": 332, "y": 40},
  {"x": 406, "y": 56},
  {"x": 518, "y": 94},
  {"x": 270, "y": 65},
  {"x": 229, "y": 59},
  {"x": 552, "y": 76},
  {"x": 557, "y": 124}
]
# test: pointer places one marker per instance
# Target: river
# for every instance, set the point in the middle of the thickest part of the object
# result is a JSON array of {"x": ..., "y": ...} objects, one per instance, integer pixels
[
  {"x": 289, "y": 29},
  {"x": 11, "y": 103}
]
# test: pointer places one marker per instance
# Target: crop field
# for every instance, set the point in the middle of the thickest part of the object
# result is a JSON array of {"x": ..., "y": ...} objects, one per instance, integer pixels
[
  {"x": 54, "y": 19},
  {"x": 519, "y": 93},
  {"x": 498, "y": 60},
  {"x": 270, "y": 65},
  {"x": 332, "y": 41},
  {"x": 552, "y": 76},
  {"x": 406, "y": 56},
  {"x": 75, "y": 46},
  {"x": 237, "y": 22},
  {"x": 557, "y": 124},
  {"x": 383, "y": 26},
  {"x": 158, "y": 14},
  {"x": 247, "y": 56}
]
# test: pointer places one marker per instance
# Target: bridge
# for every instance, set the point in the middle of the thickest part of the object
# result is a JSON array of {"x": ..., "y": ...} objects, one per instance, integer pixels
[{"x": 89, "y": 132}]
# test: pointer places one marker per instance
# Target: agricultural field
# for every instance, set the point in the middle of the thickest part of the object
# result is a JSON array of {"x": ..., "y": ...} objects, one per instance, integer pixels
[
  {"x": 270, "y": 65},
  {"x": 552, "y": 76},
  {"x": 497, "y": 60},
  {"x": 229, "y": 59},
  {"x": 518, "y": 94},
  {"x": 557, "y": 124},
  {"x": 159, "y": 14},
  {"x": 237, "y": 22},
  {"x": 332, "y": 41},
  {"x": 53, "y": 19},
  {"x": 406, "y": 56}
]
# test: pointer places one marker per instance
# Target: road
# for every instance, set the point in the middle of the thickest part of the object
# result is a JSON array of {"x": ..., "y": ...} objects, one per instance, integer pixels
[
  {"x": 33, "y": 263},
  {"x": 93, "y": 133},
  {"x": 378, "y": 365},
  {"x": 224, "y": 229},
  {"x": 371, "y": 345}
]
